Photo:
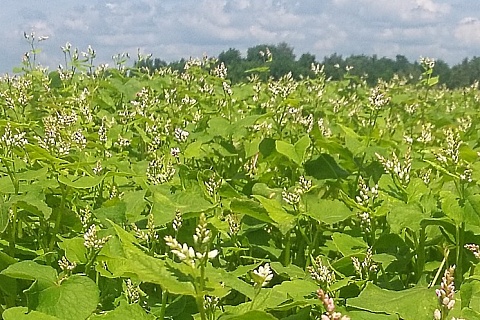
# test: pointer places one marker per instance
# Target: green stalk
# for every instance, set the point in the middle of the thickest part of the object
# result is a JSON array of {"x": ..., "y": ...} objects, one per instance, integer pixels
[
  {"x": 460, "y": 231},
  {"x": 286, "y": 252},
  {"x": 199, "y": 297},
  {"x": 421, "y": 254},
  {"x": 58, "y": 219},
  {"x": 164, "y": 304},
  {"x": 13, "y": 235}
]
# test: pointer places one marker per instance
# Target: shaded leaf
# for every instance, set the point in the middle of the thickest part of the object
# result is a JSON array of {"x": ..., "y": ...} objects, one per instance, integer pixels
[{"x": 325, "y": 167}]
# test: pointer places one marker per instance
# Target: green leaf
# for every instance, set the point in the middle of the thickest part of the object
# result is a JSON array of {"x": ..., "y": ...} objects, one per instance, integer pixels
[
  {"x": 291, "y": 271},
  {"x": 75, "y": 250},
  {"x": 296, "y": 152},
  {"x": 136, "y": 204},
  {"x": 348, "y": 245},
  {"x": 249, "y": 315},
  {"x": 124, "y": 311},
  {"x": 114, "y": 210},
  {"x": 470, "y": 295},
  {"x": 4, "y": 214},
  {"x": 365, "y": 315},
  {"x": 30, "y": 175},
  {"x": 135, "y": 263},
  {"x": 33, "y": 202},
  {"x": 194, "y": 150},
  {"x": 82, "y": 182},
  {"x": 282, "y": 218},
  {"x": 472, "y": 210},
  {"x": 165, "y": 203},
  {"x": 22, "y": 313},
  {"x": 326, "y": 211},
  {"x": 451, "y": 207},
  {"x": 75, "y": 298},
  {"x": 250, "y": 208},
  {"x": 29, "y": 270},
  {"x": 404, "y": 215},
  {"x": 218, "y": 126},
  {"x": 325, "y": 167},
  {"x": 6, "y": 185},
  {"x": 405, "y": 303},
  {"x": 296, "y": 289},
  {"x": 432, "y": 81}
]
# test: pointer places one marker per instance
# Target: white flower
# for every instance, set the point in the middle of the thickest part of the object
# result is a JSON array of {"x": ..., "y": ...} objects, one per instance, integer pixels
[{"x": 263, "y": 275}]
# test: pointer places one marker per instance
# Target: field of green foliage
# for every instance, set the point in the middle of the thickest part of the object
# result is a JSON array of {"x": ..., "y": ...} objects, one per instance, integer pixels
[{"x": 176, "y": 195}]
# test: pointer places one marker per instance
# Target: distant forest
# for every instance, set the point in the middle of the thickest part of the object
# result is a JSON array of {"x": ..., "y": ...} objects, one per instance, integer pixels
[{"x": 372, "y": 68}]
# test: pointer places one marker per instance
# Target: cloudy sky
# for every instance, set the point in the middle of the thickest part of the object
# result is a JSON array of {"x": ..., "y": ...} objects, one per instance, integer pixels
[{"x": 171, "y": 29}]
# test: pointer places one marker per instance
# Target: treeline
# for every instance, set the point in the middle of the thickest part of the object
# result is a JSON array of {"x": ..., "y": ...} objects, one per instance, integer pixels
[{"x": 280, "y": 60}]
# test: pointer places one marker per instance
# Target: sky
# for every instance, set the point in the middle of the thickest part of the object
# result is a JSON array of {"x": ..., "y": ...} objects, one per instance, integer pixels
[{"x": 172, "y": 29}]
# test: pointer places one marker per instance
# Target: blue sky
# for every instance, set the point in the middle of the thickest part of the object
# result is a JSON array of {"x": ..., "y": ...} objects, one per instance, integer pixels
[{"x": 172, "y": 29}]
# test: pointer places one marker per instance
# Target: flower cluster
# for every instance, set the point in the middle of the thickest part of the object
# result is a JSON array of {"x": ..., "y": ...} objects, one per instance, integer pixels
[
  {"x": 427, "y": 63},
  {"x": 262, "y": 276},
  {"x": 474, "y": 248},
  {"x": 102, "y": 131},
  {"x": 148, "y": 236},
  {"x": 85, "y": 216},
  {"x": 66, "y": 265},
  {"x": 266, "y": 54},
  {"x": 426, "y": 135},
  {"x": 132, "y": 292},
  {"x": 323, "y": 127},
  {"x": 450, "y": 154},
  {"x": 265, "y": 128},
  {"x": 365, "y": 268},
  {"x": 11, "y": 140},
  {"x": 60, "y": 134},
  {"x": 233, "y": 224},
  {"x": 177, "y": 221},
  {"x": 181, "y": 135},
  {"x": 212, "y": 185},
  {"x": 329, "y": 305},
  {"x": 122, "y": 142},
  {"x": 189, "y": 255},
  {"x": 321, "y": 273},
  {"x": 158, "y": 172},
  {"x": 397, "y": 169},
  {"x": 210, "y": 304},
  {"x": 366, "y": 200},
  {"x": 378, "y": 98},
  {"x": 91, "y": 239},
  {"x": 145, "y": 99},
  {"x": 292, "y": 198},
  {"x": 446, "y": 294},
  {"x": 67, "y": 268}
]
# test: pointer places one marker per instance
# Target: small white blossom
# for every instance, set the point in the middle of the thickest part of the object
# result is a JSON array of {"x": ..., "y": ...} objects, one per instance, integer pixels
[{"x": 262, "y": 275}]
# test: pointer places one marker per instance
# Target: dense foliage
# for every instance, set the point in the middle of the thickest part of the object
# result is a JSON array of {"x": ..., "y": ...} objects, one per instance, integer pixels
[
  {"x": 177, "y": 195},
  {"x": 371, "y": 68}
]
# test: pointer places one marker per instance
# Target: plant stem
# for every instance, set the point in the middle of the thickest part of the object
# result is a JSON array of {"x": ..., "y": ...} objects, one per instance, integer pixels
[
  {"x": 421, "y": 254},
  {"x": 460, "y": 230},
  {"x": 164, "y": 304},
  {"x": 200, "y": 298},
  {"x": 58, "y": 219},
  {"x": 286, "y": 252},
  {"x": 13, "y": 236}
]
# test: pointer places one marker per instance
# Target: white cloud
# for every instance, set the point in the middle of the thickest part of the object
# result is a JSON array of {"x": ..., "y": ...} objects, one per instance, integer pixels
[
  {"x": 468, "y": 31},
  {"x": 174, "y": 29}
]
